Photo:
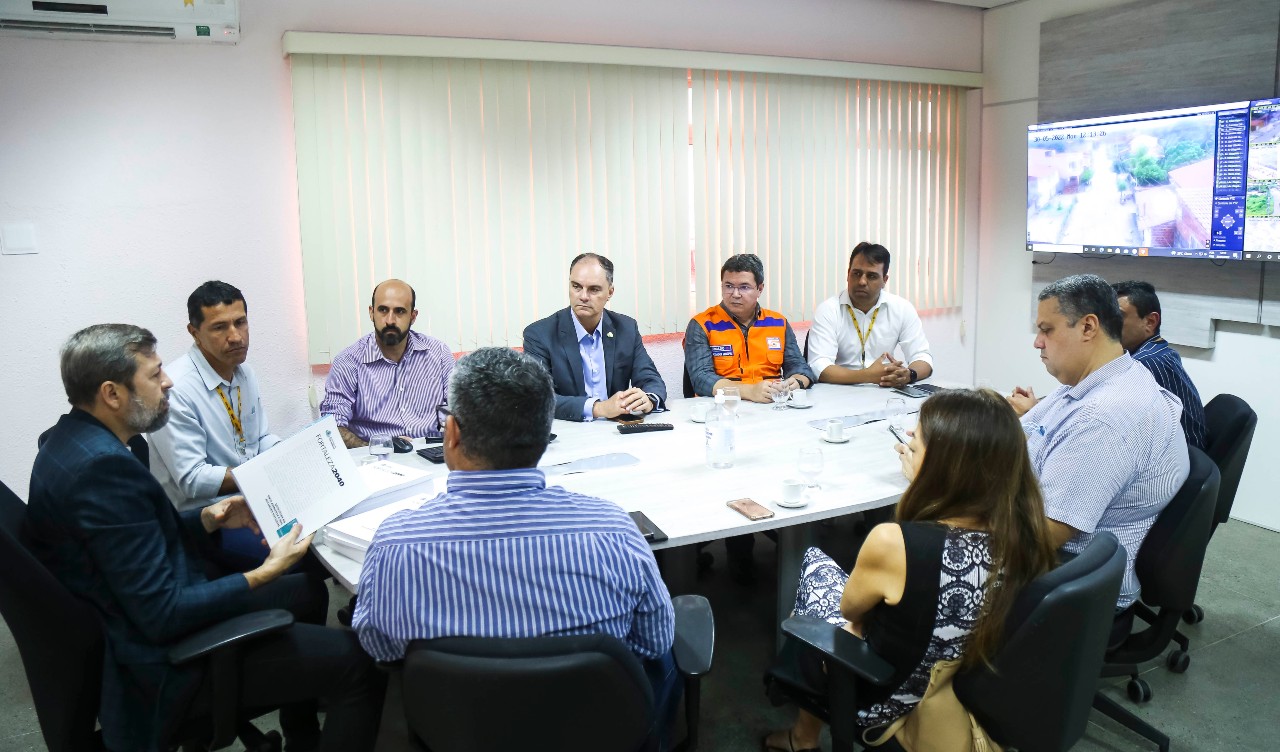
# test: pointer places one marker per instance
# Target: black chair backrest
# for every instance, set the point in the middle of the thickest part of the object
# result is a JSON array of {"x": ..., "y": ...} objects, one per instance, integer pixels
[
  {"x": 579, "y": 692},
  {"x": 1039, "y": 694},
  {"x": 59, "y": 638},
  {"x": 1169, "y": 562},
  {"x": 1230, "y": 423}
]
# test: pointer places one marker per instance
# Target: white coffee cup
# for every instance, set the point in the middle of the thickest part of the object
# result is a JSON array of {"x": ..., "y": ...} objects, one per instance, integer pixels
[
  {"x": 800, "y": 396},
  {"x": 699, "y": 410},
  {"x": 835, "y": 429},
  {"x": 792, "y": 492}
]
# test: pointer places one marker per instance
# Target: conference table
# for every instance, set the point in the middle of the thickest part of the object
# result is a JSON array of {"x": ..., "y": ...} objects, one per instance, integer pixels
[{"x": 670, "y": 482}]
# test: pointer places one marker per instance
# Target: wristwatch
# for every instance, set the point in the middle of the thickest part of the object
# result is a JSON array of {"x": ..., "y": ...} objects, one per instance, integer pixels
[{"x": 914, "y": 376}]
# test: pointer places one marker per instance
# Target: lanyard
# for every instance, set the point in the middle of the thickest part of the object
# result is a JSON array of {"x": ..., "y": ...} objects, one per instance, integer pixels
[
  {"x": 234, "y": 415},
  {"x": 861, "y": 337}
]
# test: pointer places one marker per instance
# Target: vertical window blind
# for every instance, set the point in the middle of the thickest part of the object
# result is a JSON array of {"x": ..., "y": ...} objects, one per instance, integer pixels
[
  {"x": 799, "y": 169},
  {"x": 477, "y": 181}
]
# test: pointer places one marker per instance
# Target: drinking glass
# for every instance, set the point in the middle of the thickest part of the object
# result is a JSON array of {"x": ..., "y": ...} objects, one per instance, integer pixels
[
  {"x": 379, "y": 448},
  {"x": 779, "y": 394},
  {"x": 809, "y": 465},
  {"x": 896, "y": 407}
]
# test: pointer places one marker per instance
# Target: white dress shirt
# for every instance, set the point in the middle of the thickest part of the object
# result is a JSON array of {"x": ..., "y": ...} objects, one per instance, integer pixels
[
  {"x": 191, "y": 454},
  {"x": 834, "y": 341}
]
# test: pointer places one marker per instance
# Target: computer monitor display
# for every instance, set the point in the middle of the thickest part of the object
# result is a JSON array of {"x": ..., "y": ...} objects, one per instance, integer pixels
[{"x": 1169, "y": 183}]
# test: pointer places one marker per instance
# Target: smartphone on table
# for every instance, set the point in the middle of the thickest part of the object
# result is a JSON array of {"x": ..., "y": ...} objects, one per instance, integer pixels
[{"x": 749, "y": 509}]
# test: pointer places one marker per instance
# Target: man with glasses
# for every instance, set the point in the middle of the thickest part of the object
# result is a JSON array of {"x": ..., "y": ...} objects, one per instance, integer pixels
[
  {"x": 855, "y": 333},
  {"x": 738, "y": 343},
  {"x": 596, "y": 358},
  {"x": 391, "y": 380}
]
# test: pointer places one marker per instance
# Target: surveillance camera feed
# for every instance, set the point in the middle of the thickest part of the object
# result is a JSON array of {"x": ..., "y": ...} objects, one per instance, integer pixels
[{"x": 1197, "y": 183}]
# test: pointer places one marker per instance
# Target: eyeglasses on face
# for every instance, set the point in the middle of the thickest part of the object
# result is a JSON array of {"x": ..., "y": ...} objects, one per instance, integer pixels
[{"x": 740, "y": 289}]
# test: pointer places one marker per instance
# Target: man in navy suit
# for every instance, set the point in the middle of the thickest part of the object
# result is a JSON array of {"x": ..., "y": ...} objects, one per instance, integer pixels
[
  {"x": 597, "y": 360},
  {"x": 104, "y": 527}
]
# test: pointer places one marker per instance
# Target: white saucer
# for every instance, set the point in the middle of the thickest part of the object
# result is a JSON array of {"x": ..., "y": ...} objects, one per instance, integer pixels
[
  {"x": 697, "y": 420},
  {"x": 799, "y": 406},
  {"x": 804, "y": 502},
  {"x": 830, "y": 440}
]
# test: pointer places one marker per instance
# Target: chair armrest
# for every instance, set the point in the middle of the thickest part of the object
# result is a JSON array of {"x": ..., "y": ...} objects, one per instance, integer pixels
[
  {"x": 695, "y": 634},
  {"x": 840, "y": 647},
  {"x": 229, "y": 632}
]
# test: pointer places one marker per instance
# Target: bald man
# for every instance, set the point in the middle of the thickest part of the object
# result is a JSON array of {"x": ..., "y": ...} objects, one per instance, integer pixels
[{"x": 392, "y": 381}]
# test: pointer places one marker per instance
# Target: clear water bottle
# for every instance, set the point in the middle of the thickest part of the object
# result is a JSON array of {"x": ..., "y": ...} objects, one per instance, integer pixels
[{"x": 721, "y": 429}]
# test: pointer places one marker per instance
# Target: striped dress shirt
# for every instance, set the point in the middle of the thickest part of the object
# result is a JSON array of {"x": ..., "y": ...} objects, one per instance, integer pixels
[
  {"x": 1165, "y": 364},
  {"x": 373, "y": 396},
  {"x": 1110, "y": 455},
  {"x": 501, "y": 555}
]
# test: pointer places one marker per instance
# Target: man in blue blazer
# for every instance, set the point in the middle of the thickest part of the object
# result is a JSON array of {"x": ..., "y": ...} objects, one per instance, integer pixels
[
  {"x": 104, "y": 527},
  {"x": 596, "y": 357}
]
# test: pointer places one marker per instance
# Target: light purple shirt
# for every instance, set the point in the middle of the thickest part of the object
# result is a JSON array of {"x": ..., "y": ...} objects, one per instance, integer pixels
[
  {"x": 373, "y": 396},
  {"x": 591, "y": 348}
]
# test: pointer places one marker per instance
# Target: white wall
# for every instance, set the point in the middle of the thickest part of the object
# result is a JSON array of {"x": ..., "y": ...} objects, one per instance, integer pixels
[
  {"x": 149, "y": 168},
  {"x": 1244, "y": 356}
]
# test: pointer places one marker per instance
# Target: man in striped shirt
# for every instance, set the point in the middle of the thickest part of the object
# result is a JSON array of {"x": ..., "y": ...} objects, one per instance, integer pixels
[
  {"x": 500, "y": 554},
  {"x": 1141, "y": 337},
  {"x": 392, "y": 380},
  {"x": 1106, "y": 445}
]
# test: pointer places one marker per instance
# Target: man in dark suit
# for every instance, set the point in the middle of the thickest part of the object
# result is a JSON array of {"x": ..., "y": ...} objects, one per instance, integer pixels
[
  {"x": 104, "y": 527},
  {"x": 596, "y": 357}
]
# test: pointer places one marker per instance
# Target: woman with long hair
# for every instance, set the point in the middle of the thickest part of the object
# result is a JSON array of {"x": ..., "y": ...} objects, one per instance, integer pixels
[{"x": 937, "y": 583}]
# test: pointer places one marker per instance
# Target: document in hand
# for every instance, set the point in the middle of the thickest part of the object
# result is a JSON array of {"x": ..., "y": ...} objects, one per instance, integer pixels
[{"x": 307, "y": 479}]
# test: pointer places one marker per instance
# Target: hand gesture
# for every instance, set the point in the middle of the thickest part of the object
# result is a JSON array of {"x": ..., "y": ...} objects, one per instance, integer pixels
[
  {"x": 907, "y": 458},
  {"x": 288, "y": 550},
  {"x": 893, "y": 372},
  {"x": 634, "y": 400},
  {"x": 1022, "y": 400},
  {"x": 230, "y": 513}
]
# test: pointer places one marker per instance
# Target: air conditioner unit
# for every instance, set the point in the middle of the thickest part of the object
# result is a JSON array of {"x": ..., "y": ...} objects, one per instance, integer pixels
[{"x": 205, "y": 21}]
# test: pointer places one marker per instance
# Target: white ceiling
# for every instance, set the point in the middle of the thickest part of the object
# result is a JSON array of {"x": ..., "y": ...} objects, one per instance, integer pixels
[{"x": 977, "y": 3}]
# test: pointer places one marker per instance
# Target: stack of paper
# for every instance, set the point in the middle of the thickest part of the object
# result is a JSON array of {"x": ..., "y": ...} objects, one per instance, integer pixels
[
  {"x": 385, "y": 478},
  {"x": 351, "y": 536}
]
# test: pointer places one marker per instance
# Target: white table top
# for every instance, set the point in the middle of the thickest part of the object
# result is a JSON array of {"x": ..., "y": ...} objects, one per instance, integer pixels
[{"x": 674, "y": 487}]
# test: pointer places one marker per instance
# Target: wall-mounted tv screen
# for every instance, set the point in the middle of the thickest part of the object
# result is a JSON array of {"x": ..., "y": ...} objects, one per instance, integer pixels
[{"x": 1198, "y": 182}]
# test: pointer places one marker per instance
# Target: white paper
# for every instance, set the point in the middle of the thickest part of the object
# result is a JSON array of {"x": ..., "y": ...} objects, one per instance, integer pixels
[
  {"x": 308, "y": 479},
  {"x": 385, "y": 478},
  {"x": 352, "y": 536}
]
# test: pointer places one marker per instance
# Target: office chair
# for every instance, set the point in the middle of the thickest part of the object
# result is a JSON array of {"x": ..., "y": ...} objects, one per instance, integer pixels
[
  {"x": 1168, "y": 568},
  {"x": 568, "y": 693},
  {"x": 1230, "y": 424},
  {"x": 1037, "y": 696},
  {"x": 60, "y": 639}
]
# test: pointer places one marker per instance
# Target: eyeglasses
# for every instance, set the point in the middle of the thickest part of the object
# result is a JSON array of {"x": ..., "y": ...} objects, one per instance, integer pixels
[
  {"x": 444, "y": 412},
  {"x": 740, "y": 289}
]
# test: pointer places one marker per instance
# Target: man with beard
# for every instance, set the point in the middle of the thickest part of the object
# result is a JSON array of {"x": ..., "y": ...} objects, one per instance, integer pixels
[
  {"x": 216, "y": 420},
  {"x": 392, "y": 381},
  {"x": 106, "y": 529}
]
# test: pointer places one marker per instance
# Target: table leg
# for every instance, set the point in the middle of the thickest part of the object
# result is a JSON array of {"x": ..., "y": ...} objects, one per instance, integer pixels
[
  {"x": 679, "y": 567},
  {"x": 793, "y": 541}
]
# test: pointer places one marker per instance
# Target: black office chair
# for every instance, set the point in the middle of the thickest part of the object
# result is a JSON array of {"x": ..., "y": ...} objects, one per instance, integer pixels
[
  {"x": 1038, "y": 695},
  {"x": 60, "y": 639},
  {"x": 1230, "y": 424},
  {"x": 579, "y": 692},
  {"x": 1168, "y": 568}
]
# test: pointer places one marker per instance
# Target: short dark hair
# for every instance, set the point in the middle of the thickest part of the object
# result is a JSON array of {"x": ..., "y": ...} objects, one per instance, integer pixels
[
  {"x": 413, "y": 295},
  {"x": 503, "y": 402},
  {"x": 744, "y": 262},
  {"x": 605, "y": 264},
  {"x": 211, "y": 293},
  {"x": 875, "y": 253},
  {"x": 101, "y": 353},
  {"x": 1082, "y": 294},
  {"x": 1142, "y": 295}
]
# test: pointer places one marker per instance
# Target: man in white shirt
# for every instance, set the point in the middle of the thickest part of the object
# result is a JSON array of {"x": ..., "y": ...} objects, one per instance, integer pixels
[
  {"x": 854, "y": 334},
  {"x": 216, "y": 420}
]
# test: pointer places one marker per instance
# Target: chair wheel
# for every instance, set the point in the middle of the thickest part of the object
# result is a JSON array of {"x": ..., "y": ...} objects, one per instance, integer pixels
[
  {"x": 1139, "y": 690},
  {"x": 1178, "y": 661},
  {"x": 1193, "y": 615}
]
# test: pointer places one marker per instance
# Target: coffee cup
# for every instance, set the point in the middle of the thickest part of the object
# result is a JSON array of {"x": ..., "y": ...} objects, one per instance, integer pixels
[
  {"x": 800, "y": 396},
  {"x": 792, "y": 492},
  {"x": 835, "y": 430},
  {"x": 699, "y": 410}
]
